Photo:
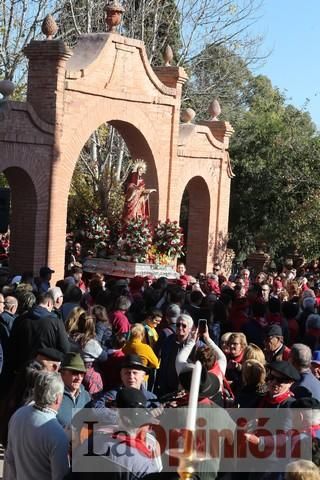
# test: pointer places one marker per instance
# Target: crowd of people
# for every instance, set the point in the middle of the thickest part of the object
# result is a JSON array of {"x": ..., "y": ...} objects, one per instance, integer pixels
[{"x": 108, "y": 343}]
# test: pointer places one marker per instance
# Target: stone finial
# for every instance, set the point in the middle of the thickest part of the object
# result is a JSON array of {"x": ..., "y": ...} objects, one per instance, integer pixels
[
  {"x": 214, "y": 109},
  {"x": 6, "y": 89},
  {"x": 49, "y": 27},
  {"x": 187, "y": 115},
  {"x": 167, "y": 56},
  {"x": 114, "y": 13}
]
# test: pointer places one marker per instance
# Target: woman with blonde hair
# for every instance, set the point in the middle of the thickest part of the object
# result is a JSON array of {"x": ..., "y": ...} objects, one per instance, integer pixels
[
  {"x": 253, "y": 352},
  {"x": 72, "y": 320},
  {"x": 136, "y": 346},
  {"x": 237, "y": 343},
  {"x": 302, "y": 470},
  {"x": 224, "y": 342},
  {"x": 253, "y": 384}
]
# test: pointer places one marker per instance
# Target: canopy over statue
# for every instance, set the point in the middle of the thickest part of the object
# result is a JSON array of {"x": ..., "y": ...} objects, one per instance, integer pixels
[{"x": 136, "y": 195}]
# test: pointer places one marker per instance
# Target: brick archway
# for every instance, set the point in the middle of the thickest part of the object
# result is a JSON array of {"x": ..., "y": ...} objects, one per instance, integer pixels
[
  {"x": 198, "y": 224},
  {"x": 107, "y": 78}
]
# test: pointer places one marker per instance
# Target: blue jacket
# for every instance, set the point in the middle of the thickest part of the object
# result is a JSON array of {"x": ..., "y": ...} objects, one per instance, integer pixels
[
  {"x": 64, "y": 415},
  {"x": 102, "y": 398},
  {"x": 307, "y": 382},
  {"x": 7, "y": 319}
]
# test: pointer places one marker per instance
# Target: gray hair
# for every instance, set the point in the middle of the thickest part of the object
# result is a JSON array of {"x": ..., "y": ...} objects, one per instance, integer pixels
[
  {"x": 186, "y": 318},
  {"x": 301, "y": 355},
  {"x": 47, "y": 387},
  {"x": 123, "y": 303},
  {"x": 56, "y": 292}
]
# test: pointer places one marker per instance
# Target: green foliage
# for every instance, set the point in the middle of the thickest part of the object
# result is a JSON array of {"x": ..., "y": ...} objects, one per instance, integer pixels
[
  {"x": 218, "y": 72},
  {"x": 276, "y": 160},
  {"x": 3, "y": 181},
  {"x": 94, "y": 185}
]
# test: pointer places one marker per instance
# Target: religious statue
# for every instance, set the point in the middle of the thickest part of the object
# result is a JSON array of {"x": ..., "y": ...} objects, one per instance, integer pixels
[{"x": 136, "y": 195}]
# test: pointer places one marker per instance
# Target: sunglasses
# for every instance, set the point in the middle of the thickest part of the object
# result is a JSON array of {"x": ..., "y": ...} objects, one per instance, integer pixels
[
  {"x": 182, "y": 325},
  {"x": 272, "y": 378}
]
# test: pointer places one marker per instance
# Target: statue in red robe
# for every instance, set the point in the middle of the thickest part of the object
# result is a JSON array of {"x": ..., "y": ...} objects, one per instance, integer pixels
[{"x": 136, "y": 195}]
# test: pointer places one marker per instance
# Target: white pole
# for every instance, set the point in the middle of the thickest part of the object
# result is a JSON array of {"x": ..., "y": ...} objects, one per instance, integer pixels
[{"x": 193, "y": 398}]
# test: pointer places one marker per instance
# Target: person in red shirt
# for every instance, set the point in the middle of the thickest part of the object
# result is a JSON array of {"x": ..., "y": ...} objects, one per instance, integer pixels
[{"x": 118, "y": 319}]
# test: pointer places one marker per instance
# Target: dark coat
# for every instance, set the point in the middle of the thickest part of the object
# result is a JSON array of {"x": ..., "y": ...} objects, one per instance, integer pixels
[{"x": 32, "y": 331}]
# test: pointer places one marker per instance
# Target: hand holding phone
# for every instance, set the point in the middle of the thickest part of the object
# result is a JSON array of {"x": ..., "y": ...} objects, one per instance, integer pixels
[{"x": 202, "y": 326}]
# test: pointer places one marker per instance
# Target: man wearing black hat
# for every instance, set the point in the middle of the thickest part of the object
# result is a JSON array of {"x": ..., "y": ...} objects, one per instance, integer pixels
[
  {"x": 132, "y": 375},
  {"x": 49, "y": 358},
  {"x": 210, "y": 416},
  {"x": 127, "y": 449},
  {"x": 275, "y": 349},
  {"x": 281, "y": 377}
]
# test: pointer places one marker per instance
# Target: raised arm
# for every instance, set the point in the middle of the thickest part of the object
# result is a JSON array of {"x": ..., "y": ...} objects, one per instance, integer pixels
[
  {"x": 221, "y": 358},
  {"x": 183, "y": 355}
]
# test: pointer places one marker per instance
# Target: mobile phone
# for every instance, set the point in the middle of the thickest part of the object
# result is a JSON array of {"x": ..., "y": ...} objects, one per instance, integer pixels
[{"x": 202, "y": 326}]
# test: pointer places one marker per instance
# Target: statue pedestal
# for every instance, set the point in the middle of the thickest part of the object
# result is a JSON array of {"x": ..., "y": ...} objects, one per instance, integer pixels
[{"x": 118, "y": 268}]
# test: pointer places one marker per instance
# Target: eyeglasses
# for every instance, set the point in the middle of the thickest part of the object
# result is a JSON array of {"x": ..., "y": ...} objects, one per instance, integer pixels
[
  {"x": 273, "y": 378},
  {"x": 182, "y": 325}
]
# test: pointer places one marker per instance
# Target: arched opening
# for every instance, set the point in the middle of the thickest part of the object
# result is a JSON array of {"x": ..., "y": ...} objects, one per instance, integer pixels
[
  {"x": 103, "y": 166},
  {"x": 22, "y": 220},
  {"x": 194, "y": 218}
]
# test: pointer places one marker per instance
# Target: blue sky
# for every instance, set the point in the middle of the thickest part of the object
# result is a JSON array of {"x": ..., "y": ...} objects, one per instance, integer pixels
[{"x": 292, "y": 33}]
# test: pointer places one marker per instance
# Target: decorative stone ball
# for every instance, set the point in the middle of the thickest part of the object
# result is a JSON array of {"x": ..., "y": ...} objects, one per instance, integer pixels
[
  {"x": 167, "y": 56},
  {"x": 49, "y": 27},
  {"x": 187, "y": 115},
  {"x": 214, "y": 109},
  {"x": 6, "y": 88}
]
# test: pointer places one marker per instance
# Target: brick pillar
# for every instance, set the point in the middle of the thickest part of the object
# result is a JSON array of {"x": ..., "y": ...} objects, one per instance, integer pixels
[
  {"x": 46, "y": 76},
  {"x": 46, "y": 85},
  {"x": 173, "y": 77}
]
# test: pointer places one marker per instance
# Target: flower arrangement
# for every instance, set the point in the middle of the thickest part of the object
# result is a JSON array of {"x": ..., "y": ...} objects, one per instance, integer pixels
[
  {"x": 136, "y": 239},
  {"x": 168, "y": 239},
  {"x": 96, "y": 231}
]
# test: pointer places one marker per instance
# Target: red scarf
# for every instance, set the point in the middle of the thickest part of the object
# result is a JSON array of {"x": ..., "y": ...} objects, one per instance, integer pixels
[
  {"x": 277, "y": 400},
  {"x": 135, "y": 442},
  {"x": 239, "y": 358}
]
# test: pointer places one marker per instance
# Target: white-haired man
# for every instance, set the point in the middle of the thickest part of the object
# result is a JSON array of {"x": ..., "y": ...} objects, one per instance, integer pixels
[
  {"x": 167, "y": 378},
  {"x": 37, "y": 444}
]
